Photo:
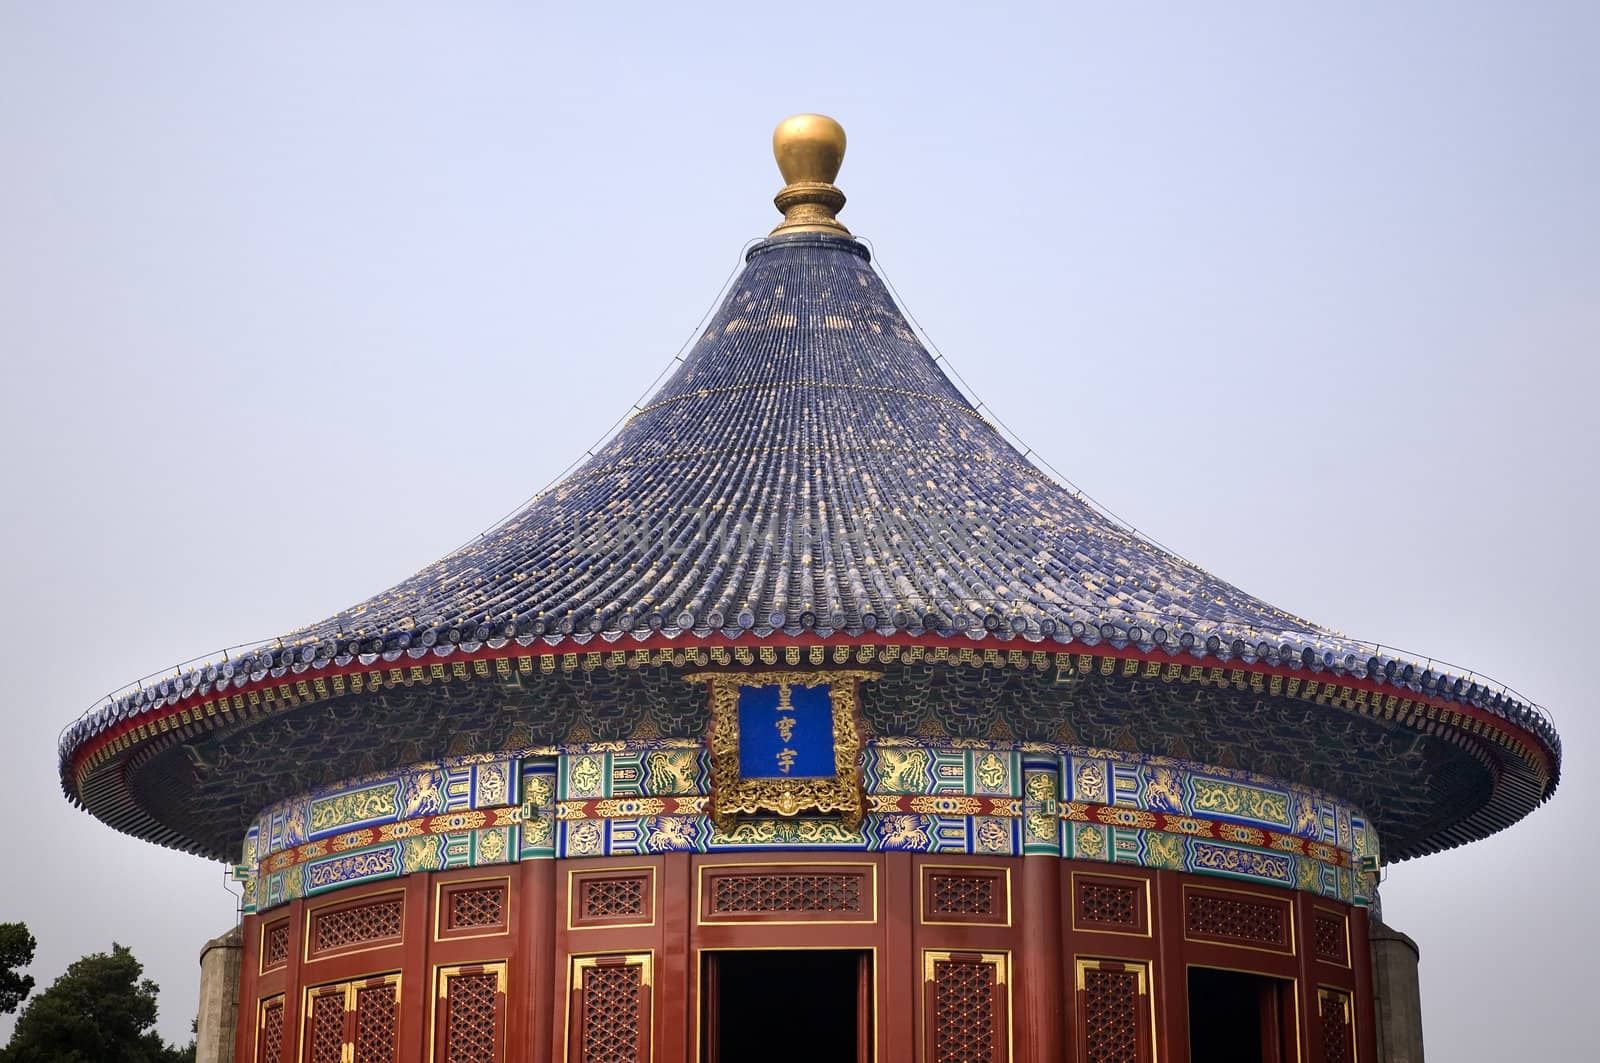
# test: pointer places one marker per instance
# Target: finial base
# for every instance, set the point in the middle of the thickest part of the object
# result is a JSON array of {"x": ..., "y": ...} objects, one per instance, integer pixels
[{"x": 809, "y": 207}]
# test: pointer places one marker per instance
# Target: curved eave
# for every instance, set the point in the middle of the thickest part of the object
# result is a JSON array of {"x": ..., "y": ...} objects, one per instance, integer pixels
[{"x": 1524, "y": 765}]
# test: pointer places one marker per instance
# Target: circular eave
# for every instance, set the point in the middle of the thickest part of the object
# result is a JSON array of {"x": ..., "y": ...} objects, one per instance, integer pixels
[{"x": 1431, "y": 769}]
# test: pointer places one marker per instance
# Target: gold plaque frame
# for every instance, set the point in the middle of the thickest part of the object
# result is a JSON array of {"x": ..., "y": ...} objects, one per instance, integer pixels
[{"x": 732, "y": 794}]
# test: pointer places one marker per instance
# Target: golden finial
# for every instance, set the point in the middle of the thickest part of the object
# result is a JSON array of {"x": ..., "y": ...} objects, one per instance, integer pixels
[{"x": 809, "y": 149}]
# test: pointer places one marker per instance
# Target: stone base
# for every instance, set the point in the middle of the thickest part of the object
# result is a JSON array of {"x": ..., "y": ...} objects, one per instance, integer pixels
[
  {"x": 1397, "y": 995},
  {"x": 219, "y": 998}
]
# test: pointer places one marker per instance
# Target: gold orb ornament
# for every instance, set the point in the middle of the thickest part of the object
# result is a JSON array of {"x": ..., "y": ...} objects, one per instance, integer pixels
[{"x": 809, "y": 149}]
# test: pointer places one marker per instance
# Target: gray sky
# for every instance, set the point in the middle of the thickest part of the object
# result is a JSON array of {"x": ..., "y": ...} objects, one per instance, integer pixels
[{"x": 294, "y": 298}]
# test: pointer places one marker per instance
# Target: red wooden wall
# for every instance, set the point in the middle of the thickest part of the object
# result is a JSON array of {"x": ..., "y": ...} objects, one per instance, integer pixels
[{"x": 600, "y": 961}]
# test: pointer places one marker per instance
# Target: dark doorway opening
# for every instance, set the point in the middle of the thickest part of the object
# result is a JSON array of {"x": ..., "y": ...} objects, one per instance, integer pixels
[
  {"x": 1239, "y": 1018},
  {"x": 787, "y": 1006}
]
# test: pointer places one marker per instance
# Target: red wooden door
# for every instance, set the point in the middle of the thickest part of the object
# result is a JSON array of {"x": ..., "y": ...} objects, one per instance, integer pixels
[
  {"x": 352, "y": 1022},
  {"x": 864, "y": 1008}
]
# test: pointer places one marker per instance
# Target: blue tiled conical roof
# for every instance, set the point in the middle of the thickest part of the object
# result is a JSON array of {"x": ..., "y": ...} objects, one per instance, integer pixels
[{"x": 810, "y": 467}]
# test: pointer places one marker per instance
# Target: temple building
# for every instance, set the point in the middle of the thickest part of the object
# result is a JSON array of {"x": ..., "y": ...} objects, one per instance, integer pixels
[{"x": 808, "y": 720}]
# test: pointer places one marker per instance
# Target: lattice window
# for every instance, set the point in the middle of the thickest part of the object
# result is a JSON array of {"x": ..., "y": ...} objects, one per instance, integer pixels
[
  {"x": 613, "y": 1016},
  {"x": 377, "y": 1023},
  {"x": 1338, "y": 1033},
  {"x": 360, "y": 924},
  {"x": 1109, "y": 903},
  {"x": 1327, "y": 938},
  {"x": 275, "y": 945},
  {"x": 961, "y": 894},
  {"x": 471, "y": 1017},
  {"x": 325, "y": 1036},
  {"x": 1112, "y": 999},
  {"x": 1237, "y": 919},
  {"x": 479, "y": 906},
  {"x": 269, "y": 1038},
  {"x": 966, "y": 1008},
  {"x": 787, "y": 892},
  {"x": 607, "y": 898}
]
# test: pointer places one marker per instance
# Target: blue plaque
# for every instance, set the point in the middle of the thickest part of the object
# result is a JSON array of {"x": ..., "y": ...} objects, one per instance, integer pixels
[{"x": 786, "y": 731}]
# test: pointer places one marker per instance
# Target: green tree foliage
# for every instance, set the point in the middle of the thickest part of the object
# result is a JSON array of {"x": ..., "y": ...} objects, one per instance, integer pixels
[
  {"x": 16, "y": 950},
  {"x": 100, "y": 1011}
]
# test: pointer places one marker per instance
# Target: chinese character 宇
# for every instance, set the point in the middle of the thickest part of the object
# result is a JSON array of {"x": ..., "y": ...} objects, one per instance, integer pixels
[{"x": 786, "y": 760}]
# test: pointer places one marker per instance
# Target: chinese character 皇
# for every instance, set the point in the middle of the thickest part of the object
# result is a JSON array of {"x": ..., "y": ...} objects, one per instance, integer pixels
[
  {"x": 786, "y": 760},
  {"x": 785, "y": 727}
]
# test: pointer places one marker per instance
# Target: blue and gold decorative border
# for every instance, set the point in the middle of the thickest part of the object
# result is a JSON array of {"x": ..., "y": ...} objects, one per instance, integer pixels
[{"x": 942, "y": 796}]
